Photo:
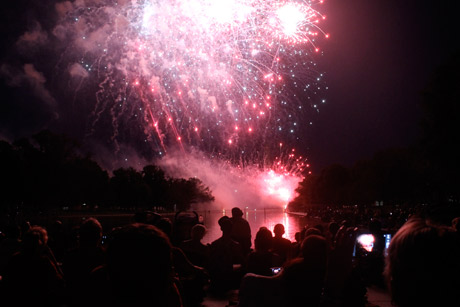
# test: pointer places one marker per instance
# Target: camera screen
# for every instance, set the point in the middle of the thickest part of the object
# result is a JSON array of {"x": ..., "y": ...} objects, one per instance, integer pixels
[
  {"x": 276, "y": 270},
  {"x": 366, "y": 241}
]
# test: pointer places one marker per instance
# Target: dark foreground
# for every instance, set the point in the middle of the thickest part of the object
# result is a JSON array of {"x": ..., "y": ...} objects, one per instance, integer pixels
[{"x": 321, "y": 258}]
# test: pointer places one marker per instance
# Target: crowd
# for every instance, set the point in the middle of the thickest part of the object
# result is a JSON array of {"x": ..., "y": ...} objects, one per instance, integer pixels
[{"x": 154, "y": 261}]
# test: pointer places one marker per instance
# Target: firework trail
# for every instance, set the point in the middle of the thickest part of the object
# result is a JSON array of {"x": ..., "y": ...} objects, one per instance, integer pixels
[{"x": 234, "y": 79}]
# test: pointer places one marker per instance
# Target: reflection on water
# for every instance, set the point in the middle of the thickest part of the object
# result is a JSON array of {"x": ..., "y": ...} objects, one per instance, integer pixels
[{"x": 256, "y": 218}]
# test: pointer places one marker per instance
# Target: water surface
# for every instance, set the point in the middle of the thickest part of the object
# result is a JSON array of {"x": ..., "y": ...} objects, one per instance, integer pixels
[{"x": 256, "y": 218}]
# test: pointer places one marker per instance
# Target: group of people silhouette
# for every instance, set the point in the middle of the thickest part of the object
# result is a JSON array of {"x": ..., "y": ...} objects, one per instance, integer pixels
[{"x": 145, "y": 264}]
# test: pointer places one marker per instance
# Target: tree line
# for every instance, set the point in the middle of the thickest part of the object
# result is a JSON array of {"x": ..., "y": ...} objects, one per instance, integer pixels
[
  {"x": 46, "y": 172},
  {"x": 426, "y": 173}
]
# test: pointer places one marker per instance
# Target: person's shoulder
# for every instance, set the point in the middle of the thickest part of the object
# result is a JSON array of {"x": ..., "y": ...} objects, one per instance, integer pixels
[
  {"x": 216, "y": 242},
  {"x": 294, "y": 265}
]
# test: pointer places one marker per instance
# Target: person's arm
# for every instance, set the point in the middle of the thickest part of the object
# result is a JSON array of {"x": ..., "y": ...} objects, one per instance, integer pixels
[{"x": 183, "y": 266}]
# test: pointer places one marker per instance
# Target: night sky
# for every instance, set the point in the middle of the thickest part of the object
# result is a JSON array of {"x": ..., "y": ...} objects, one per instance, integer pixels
[{"x": 379, "y": 58}]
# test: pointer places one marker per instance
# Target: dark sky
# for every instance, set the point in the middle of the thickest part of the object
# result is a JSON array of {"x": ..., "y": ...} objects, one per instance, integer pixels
[{"x": 380, "y": 56}]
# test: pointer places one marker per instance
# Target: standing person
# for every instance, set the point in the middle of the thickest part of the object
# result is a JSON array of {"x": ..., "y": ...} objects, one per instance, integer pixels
[
  {"x": 225, "y": 258},
  {"x": 281, "y": 246},
  {"x": 241, "y": 231}
]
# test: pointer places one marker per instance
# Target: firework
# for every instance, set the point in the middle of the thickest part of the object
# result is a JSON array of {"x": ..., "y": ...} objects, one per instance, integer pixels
[
  {"x": 222, "y": 76},
  {"x": 232, "y": 79}
]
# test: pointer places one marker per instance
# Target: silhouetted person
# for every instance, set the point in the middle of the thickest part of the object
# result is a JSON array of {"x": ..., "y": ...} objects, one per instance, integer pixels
[
  {"x": 224, "y": 254},
  {"x": 423, "y": 265},
  {"x": 196, "y": 252},
  {"x": 138, "y": 270},
  {"x": 301, "y": 281},
  {"x": 261, "y": 260},
  {"x": 31, "y": 276},
  {"x": 241, "y": 231},
  {"x": 79, "y": 262},
  {"x": 312, "y": 231},
  {"x": 280, "y": 245},
  {"x": 295, "y": 246},
  {"x": 183, "y": 223},
  {"x": 303, "y": 278}
]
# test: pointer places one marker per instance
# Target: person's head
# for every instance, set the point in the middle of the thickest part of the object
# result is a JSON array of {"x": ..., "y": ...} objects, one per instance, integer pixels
[
  {"x": 225, "y": 224},
  {"x": 236, "y": 212},
  {"x": 278, "y": 230},
  {"x": 298, "y": 236},
  {"x": 165, "y": 225},
  {"x": 25, "y": 227},
  {"x": 312, "y": 231},
  {"x": 263, "y": 240},
  {"x": 139, "y": 262},
  {"x": 423, "y": 265},
  {"x": 90, "y": 233},
  {"x": 320, "y": 228},
  {"x": 198, "y": 231},
  {"x": 333, "y": 228},
  {"x": 35, "y": 239},
  {"x": 314, "y": 250}
]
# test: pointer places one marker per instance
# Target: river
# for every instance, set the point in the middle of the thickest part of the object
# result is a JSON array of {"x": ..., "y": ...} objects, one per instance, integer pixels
[{"x": 256, "y": 218}]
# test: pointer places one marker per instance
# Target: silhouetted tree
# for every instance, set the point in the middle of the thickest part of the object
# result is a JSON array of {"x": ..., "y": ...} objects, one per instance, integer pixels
[
  {"x": 46, "y": 172},
  {"x": 158, "y": 184},
  {"x": 128, "y": 188}
]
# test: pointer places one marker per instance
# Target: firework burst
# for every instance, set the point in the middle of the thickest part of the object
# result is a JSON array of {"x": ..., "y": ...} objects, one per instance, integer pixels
[
  {"x": 234, "y": 79},
  {"x": 222, "y": 76}
]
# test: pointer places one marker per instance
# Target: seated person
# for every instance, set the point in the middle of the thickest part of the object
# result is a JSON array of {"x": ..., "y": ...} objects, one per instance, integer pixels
[
  {"x": 262, "y": 260},
  {"x": 303, "y": 277},
  {"x": 423, "y": 265},
  {"x": 138, "y": 272},
  {"x": 300, "y": 283},
  {"x": 281, "y": 246},
  {"x": 196, "y": 252}
]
